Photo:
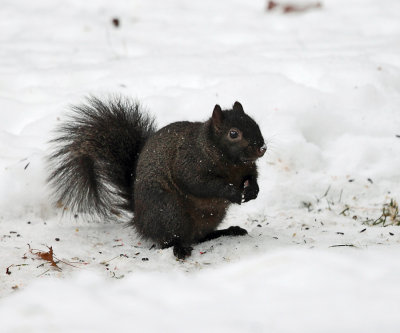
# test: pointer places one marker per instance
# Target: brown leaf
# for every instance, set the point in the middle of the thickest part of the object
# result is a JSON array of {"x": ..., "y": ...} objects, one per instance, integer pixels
[
  {"x": 287, "y": 8},
  {"x": 115, "y": 22},
  {"x": 271, "y": 5},
  {"x": 48, "y": 256}
]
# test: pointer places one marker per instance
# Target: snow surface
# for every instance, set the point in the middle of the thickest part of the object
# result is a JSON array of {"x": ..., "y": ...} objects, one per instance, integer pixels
[{"x": 325, "y": 88}]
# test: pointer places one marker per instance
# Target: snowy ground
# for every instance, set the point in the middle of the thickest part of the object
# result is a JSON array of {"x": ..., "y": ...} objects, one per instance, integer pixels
[{"x": 325, "y": 87}]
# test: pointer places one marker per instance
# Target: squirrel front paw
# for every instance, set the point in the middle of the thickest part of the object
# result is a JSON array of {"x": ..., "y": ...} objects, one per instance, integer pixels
[{"x": 250, "y": 191}]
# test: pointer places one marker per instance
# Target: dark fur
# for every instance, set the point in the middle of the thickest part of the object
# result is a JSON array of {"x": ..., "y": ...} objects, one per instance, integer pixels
[
  {"x": 93, "y": 165},
  {"x": 179, "y": 181}
]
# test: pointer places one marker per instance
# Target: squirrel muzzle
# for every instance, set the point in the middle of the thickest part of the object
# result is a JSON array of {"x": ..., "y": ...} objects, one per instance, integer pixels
[{"x": 261, "y": 151}]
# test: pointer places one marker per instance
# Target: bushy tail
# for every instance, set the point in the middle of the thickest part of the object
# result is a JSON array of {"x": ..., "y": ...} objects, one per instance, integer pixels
[{"x": 94, "y": 160}]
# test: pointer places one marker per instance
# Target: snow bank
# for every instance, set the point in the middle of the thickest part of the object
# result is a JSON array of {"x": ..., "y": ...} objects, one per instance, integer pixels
[{"x": 285, "y": 291}]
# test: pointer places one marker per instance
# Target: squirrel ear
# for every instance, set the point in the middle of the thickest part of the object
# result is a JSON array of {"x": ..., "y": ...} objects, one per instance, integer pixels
[
  {"x": 238, "y": 107},
  {"x": 217, "y": 116}
]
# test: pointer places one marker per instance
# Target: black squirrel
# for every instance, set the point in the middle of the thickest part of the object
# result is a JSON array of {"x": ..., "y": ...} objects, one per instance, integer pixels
[{"x": 178, "y": 181}]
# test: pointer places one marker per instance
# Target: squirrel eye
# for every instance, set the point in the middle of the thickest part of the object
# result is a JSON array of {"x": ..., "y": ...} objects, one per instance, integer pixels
[{"x": 233, "y": 134}]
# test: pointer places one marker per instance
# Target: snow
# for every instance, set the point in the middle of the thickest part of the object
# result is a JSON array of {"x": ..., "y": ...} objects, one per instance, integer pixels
[
  {"x": 324, "y": 86},
  {"x": 323, "y": 292}
]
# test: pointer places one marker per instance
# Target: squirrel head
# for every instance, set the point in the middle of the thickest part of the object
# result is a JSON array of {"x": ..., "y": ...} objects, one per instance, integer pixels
[{"x": 237, "y": 136}]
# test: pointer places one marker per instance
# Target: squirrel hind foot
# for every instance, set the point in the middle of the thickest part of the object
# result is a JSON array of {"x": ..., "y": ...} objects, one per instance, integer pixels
[{"x": 182, "y": 252}]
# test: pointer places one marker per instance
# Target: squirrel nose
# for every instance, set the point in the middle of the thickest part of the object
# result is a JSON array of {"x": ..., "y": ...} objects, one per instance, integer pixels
[{"x": 261, "y": 151}]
